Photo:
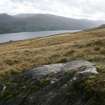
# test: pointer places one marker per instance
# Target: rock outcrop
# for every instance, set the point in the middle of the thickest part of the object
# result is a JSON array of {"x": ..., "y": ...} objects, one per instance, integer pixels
[{"x": 55, "y": 84}]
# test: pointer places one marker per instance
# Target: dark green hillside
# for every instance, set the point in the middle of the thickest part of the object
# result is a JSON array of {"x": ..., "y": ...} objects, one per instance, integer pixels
[{"x": 41, "y": 22}]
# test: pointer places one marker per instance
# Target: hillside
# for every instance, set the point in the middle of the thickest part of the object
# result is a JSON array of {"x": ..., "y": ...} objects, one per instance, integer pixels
[
  {"x": 101, "y": 26},
  {"x": 52, "y": 49},
  {"x": 41, "y": 22},
  {"x": 18, "y": 58}
]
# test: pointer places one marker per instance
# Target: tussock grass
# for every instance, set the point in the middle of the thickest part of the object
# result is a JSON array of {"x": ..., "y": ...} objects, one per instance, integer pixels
[{"x": 23, "y": 55}]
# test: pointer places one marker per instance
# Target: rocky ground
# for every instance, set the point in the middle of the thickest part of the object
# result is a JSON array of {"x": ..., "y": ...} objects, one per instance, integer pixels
[{"x": 55, "y": 84}]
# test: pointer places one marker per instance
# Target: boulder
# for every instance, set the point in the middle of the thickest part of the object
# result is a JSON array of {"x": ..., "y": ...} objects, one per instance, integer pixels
[{"x": 49, "y": 84}]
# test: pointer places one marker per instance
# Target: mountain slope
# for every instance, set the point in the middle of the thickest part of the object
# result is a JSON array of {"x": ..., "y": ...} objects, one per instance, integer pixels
[
  {"x": 41, "y": 22},
  {"x": 101, "y": 26}
]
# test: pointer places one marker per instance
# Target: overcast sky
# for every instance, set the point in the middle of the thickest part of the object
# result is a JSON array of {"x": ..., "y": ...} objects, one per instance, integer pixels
[{"x": 85, "y": 9}]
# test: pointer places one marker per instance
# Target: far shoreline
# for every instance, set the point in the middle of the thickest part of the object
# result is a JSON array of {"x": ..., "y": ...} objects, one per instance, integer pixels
[{"x": 37, "y": 37}]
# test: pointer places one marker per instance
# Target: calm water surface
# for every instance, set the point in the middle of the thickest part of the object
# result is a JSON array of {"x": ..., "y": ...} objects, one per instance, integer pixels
[{"x": 29, "y": 35}]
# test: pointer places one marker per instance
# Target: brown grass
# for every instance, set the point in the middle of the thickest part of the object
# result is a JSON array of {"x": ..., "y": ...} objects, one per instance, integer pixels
[{"x": 26, "y": 54}]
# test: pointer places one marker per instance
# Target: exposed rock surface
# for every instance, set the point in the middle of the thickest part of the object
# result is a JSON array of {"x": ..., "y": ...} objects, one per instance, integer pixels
[{"x": 55, "y": 84}]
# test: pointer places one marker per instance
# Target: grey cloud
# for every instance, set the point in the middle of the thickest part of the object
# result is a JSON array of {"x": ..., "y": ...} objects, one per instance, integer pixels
[{"x": 91, "y": 9}]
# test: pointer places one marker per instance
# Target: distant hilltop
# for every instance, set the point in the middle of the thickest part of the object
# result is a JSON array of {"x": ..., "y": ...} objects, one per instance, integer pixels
[
  {"x": 101, "y": 26},
  {"x": 41, "y": 22}
]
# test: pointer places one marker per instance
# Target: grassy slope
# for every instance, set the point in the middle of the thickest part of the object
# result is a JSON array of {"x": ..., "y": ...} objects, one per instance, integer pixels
[
  {"x": 90, "y": 45},
  {"x": 26, "y": 54}
]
